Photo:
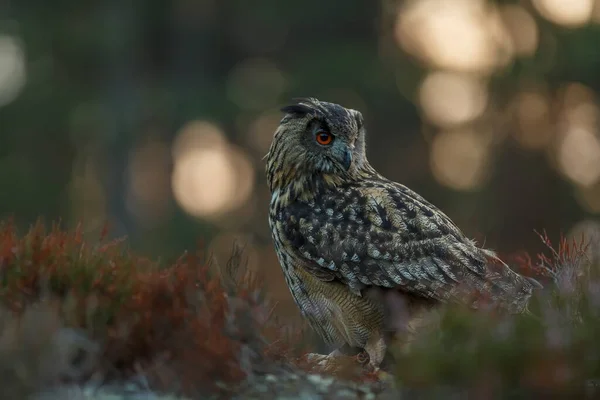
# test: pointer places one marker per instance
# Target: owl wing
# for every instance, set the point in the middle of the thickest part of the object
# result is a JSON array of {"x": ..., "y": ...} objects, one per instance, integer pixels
[{"x": 386, "y": 235}]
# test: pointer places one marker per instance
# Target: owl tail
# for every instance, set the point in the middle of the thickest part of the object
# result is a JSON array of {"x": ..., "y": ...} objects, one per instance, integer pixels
[{"x": 509, "y": 290}]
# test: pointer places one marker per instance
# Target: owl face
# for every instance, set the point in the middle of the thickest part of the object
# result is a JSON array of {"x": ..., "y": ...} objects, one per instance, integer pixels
[{"x": 318, "y": 137}]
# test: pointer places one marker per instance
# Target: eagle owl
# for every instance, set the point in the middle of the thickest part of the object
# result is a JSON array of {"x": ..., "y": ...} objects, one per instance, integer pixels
[{"x": 363, "y": 255}]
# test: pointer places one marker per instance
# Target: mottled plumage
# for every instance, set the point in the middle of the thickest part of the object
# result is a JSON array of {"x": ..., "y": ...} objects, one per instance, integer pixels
[{"x": 351, "y": 242}]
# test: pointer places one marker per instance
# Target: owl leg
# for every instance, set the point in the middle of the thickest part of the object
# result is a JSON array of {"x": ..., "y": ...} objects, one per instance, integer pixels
[{"x": 376, "y": 348}]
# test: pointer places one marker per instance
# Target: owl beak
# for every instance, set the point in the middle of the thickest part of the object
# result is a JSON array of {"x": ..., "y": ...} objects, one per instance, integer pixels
[{"x": 347, "y": 162}]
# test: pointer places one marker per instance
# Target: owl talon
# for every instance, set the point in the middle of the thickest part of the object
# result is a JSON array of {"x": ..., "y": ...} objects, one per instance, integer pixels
[
  {"x": 317, "y": 358},
  {"x": 325, "y": 362},
  {"x": 336, "y": 358},
  {"x": 363, "y": 358}
]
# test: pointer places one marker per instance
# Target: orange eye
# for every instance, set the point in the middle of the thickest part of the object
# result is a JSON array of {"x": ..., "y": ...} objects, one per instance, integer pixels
[{"x": 324, "y": 138}]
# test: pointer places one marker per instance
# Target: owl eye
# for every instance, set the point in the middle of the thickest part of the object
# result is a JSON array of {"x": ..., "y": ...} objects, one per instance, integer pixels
[{"x": 324, "y": 138}]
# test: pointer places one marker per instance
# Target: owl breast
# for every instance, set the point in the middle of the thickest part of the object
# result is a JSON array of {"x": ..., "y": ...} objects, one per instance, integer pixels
[{"x": 333, "y": 311}]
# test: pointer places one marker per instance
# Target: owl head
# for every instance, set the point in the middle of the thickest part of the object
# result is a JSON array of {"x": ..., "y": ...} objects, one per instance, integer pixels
[{"x": 316, "y": 140}]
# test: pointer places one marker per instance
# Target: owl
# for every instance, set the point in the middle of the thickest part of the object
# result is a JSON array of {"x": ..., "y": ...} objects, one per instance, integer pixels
[{"x": 364, "y": 256}]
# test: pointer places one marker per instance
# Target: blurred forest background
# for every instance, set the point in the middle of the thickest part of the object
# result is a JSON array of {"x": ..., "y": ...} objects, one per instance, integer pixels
[{"x": 155, "y": 115}]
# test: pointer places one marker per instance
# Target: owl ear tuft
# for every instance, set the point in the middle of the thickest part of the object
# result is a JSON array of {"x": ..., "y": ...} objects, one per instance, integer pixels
[{"x": 299, "y": 110}]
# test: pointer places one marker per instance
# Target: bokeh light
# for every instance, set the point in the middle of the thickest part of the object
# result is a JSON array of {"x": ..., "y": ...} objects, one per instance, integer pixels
[
  {"x": 522, "y": 28},
  {"x": 195, "y": 135},
  {"x": 459, "y": 159},
  {"x": 12, "y": 68},
  {"x": 571, "y": 13},
  {"x": 210, "y": 176},
  {"x": 532, "y": 116},
  {"x": 462, "y": 35},
  {"x": 579, "y": 156},
  {"x": 579, "y": 144},
  {"x": 579, "y": 106},
  {"x": 449, "y": 98}
]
